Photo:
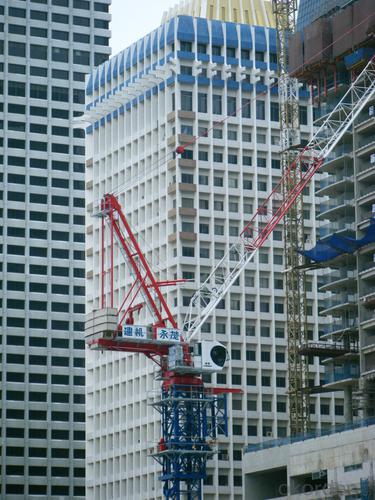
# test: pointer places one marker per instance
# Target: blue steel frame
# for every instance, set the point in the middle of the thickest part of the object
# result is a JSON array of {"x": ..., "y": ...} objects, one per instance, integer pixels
[{"x": 191, "y": 418}]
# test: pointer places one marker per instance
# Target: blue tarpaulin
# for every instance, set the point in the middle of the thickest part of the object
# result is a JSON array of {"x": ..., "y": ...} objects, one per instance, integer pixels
[
  {"x": 337, "y": 245},
  {"x": 321, "y": 252}
]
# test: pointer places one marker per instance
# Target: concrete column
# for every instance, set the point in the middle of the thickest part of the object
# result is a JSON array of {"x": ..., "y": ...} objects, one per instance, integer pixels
[{"x": 348, "y": 405}]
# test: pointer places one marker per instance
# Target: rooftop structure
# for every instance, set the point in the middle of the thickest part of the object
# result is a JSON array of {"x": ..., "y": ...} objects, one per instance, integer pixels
[{"x": 256, "y": 12}]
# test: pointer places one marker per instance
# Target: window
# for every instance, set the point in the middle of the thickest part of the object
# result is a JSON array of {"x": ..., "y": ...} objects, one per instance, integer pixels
[
  {"x": 260, "y": 110},
  {"x": 280, "y": 357},
  {"x": 217, "y": 104},
  {"x": 186, "y": 70},
  {"x": 232, "y": 135},
  {"x": 218, "y": 181},
  {"x": 16, "y": 49},
  {"x": 218, "y": 157},
  {"x": 202, "y": 102},
  {"x": 101, "y": 23},
  {"x": 232, "y": 159},
  {"x": 39, "y": 32},
  {"x": 38, "y": 91},
  {"x": 188, "y": 251},
  {"x": 60, "y": 35},
  {"x": 186, "y": 100},
  {"x": 38, "y": 52},
  {"x": 251, "y": 430},
  {"x": 60, "y": 94},
  {"x": 324, "y": 409},
  {"x": 231, "y": 106},
  {"x": 17, "y": 29},
  {"x": 204, "y": 228},
  {"x": 232, "y": 182},
  {"x": 16, "y": 89},
  {"x": 259, "y": 56},
  {"x": 216, "y": 50},
  {"x": 303, "y": 115},
  {"x": 17, "y": 68},
  {"x": 246, "y": 110},
  {"x": 274, "y": 111},
  {"x": 273, "y": 57},
  {"x": 265, "y": 356},
  {"x": 81, "y": 56},
  {"x": 185, "y": 46},
  {"x": 60, "y": 55},
  {"x": 203, "y": 155},
  {"x": 245, "y": 54},
  {"x": 202, "y": 48}
]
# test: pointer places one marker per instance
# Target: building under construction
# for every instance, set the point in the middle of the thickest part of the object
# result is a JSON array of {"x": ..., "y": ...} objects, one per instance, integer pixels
[
  {"x": 325, "y": 55},
  {"x": 333, "y": 42}
]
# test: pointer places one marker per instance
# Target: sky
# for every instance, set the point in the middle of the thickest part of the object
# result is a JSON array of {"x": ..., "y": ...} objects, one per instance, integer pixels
[{"x": 131, "y": 19}]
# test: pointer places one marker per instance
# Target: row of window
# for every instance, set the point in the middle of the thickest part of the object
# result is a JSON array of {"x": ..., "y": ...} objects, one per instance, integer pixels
[
  {"x": 43, "y": 147},
  {"x": 231, "y": 52},
  {"x": 264, "y": 355},
  {"x": 77, "y": 4},
  {"x": 59, "y": 343},
  {"x": 56, "y": 288},
  {"x": 39, "y": 305},
  {"x": 34, "y": 359},
  {"x": 60, "y": 74},
  {"x": 42, "y": 324},
  {"x": 57, "y": 54},
  {"x": 232, "y": 159},
  {"x": 33, "y": 452},
  {"x": 43, "y": 199},
  {"x": 40, "y": 163},
  {"x": 232, "y": 106},
  {"x": 232, "y": 134},
  {"x": 19, "y": 29},
  {"x": 41, "y": 378},
  {"x": 40, "y": 489},
  {"x": 40, "y": 128},
  {"x": 38, "y": 91},
  {"x": 223, "y": 480},
  {"x": 38, "y": 234}
]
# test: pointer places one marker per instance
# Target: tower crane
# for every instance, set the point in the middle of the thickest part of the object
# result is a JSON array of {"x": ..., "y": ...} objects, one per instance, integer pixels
[
  {"x": 294, "y": 234},
  {"x": 191, "y": 414}
]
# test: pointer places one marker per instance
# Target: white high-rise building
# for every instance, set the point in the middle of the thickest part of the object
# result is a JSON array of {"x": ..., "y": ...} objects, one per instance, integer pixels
[
  {"x": 46, "y": 48},
  {"x": 191, "y": 77}
]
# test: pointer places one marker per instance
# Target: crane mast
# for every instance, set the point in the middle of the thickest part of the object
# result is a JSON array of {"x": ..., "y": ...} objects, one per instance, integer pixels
[{"x": 294, "y": 239}]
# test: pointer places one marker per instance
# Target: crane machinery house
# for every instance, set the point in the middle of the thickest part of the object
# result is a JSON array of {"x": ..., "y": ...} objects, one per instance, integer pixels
[{"x": 204, "y": 87}]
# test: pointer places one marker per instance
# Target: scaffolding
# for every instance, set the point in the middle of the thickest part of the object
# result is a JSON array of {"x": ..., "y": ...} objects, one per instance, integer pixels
[{"x": 295, "y": 277}]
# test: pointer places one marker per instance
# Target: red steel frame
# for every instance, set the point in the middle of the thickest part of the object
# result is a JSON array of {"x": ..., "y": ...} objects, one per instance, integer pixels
[{"x": 145, "y": 281}]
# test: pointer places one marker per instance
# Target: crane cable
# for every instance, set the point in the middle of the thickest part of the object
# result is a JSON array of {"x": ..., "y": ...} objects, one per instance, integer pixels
[{"x": 181, "y": 149}]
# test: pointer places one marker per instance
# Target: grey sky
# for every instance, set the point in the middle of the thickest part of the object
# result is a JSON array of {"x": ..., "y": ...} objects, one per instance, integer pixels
[{"x": 132, "y": 19}]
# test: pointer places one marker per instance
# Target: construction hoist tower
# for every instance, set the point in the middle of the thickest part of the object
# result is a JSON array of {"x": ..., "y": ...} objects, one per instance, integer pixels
[{"x": 295, "y": 278}]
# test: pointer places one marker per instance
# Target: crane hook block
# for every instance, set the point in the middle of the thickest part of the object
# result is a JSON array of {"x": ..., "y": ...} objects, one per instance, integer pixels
[{"x": 180, "y": 150}]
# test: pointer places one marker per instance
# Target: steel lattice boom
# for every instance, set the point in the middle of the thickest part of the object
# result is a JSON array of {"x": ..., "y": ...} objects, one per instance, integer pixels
[{"x": 272, "y": 210}]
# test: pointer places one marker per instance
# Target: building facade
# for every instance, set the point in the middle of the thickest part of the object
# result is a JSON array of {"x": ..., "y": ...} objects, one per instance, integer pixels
[
  {"x": 213, "y": 79},
  {"x": 345, "y": 249},
  {"x": 339, "y": 465},
  {"x": 47, "y": 47}
]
